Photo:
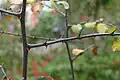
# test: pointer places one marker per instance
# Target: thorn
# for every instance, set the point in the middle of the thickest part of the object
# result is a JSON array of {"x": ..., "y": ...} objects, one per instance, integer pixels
[
  {"x": 19, "y": 17},
  {"x": 69, "y": 26},
  {"x": 113, "y": 32},
  {"x": 5, "y": 77},
  {"x": 45, "y": 43},
  {"x": 28, "y": 48}
]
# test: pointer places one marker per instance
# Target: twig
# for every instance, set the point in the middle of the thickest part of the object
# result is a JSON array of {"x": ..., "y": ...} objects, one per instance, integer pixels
[
  {"x": 83, "y": 27},
  {"x": 31, "y": 37}
]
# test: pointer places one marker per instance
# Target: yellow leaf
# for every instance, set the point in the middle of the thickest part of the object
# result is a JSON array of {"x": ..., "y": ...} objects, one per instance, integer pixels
[
  {"x": 76, "y": 52},
  {"x": 116, "y": 45},
  {"x": 90, "y": 24},
  {"x": 102, "y": 28},
  {"x": 112, "y": 29},
  {"x": 76, "y": 28}
]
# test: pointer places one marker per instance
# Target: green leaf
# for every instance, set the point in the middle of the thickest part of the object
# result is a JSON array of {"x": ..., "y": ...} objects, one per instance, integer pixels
[
  {"x": 116, "y": 45},
  {"x": 90, "y": 24},
  {"x": 76, "y": 28},
  {"x": 102, "y": 28},
  {"x": 64, "y": 3},
  {"x": 112, "y": 29}
]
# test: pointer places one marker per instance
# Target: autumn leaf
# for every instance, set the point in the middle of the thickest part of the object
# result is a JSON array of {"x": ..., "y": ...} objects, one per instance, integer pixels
[
  {"x": 9, "y": 17},
  {"x": 94, "y": 51},
  {"x": 112, "y": 29},
  {"x": 77, "y": 52},
  {"x": 102, "y": 28},
  {"x": 90, "y": 24},
  {"x": 116, "y": 45},
  {"x": 76, "y": 28}
]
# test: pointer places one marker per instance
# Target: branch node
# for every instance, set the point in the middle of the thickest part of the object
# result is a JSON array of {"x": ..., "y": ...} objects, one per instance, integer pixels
[{"x": 28, "y": 48}]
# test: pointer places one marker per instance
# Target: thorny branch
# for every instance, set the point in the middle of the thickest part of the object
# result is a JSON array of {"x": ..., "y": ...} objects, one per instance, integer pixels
[
  {"x": 21, "y": 16},
  {"x": 25, "y": 45},
  {"x": 73, "y": 38}
]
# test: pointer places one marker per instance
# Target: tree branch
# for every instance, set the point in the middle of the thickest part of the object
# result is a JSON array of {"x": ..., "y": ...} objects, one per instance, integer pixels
[
  {"x": 9, "y": 12},
  {"x": 67, "y": 46},
  {"x": 25, "y": 45},
  {"x": 72, "y": 38}
]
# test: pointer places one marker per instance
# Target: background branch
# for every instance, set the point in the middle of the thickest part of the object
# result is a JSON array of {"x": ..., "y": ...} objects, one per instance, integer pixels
[
  {"x": 9, "y": 12},
  {"x": 20, "y": 35}
]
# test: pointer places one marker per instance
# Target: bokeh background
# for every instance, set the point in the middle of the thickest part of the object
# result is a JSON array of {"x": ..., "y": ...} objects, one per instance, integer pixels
[{"x": 45, "y": 21}]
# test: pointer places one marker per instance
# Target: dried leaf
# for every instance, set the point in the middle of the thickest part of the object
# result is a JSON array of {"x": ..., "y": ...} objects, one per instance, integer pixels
[
  {"x": 94, "y": 51},
  {"x": 9, "y": 17},
  {"x": 76, "y": 52}
]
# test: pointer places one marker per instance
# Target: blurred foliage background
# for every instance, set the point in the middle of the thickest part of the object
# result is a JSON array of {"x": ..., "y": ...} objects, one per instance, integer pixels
[{"x": 53, "y": 61}]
